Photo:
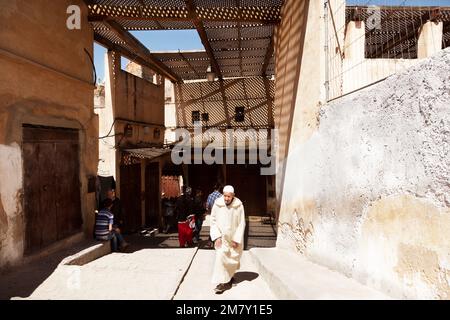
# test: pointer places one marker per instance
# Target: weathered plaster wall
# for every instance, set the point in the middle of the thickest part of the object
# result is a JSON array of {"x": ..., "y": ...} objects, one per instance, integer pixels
[
  {"x": 368, "y": 193},
  {"x": 289, "y": 44},
  {"x": 106, "y": 115},
  {"x": 129, "y": 100},
  {"x": 134, "y": 101},
  {"x": 138, "y": 99},
  {"x": 11, "y": 220},
  {"x": 170, "y": 112},
  {"x": 45, "y": 79}
]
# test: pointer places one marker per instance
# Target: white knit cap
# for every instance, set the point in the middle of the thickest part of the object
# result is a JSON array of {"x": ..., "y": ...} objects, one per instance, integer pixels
[{"x": 228, "y": 189}]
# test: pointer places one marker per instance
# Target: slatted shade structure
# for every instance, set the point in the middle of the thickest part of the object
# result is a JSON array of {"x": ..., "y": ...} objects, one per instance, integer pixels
[
  {"x": 220, "y": 100},
  {"x": 237, "y": 34},
  {"x": 188, "y": 65},
  {"x": 398, "y": 34},
  {"x": 180, "y": 11}
]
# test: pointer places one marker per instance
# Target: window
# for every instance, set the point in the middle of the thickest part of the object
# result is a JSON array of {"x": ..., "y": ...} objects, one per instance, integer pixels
[
  {"x": 195, "y": 116},
  {"x": 205, "y": 116},
  {"x": 239, "y": 114}
]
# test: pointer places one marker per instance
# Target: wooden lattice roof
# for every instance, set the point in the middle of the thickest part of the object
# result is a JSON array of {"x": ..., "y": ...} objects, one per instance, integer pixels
[
  {"x": 237, "y": 34},
  {"x": 398, "y": 35},
  {"x": 220, "y": 98}
]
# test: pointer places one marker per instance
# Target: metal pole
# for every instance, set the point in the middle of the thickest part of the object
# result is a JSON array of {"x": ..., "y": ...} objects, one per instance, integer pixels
[{"x": 327, "y": 57}]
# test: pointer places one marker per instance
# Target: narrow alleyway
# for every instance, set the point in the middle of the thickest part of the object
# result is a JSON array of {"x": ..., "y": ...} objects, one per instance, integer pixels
[{"x": 153, "y": 267}]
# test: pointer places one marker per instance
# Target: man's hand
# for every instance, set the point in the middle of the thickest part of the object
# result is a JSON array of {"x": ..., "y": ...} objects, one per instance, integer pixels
[
  {"x": 218, "y": 243},
  {"x": 234, "y": 244}
]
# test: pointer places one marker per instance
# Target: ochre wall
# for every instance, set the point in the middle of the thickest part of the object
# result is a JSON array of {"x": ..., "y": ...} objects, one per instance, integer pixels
[
  {"x": 45, "y": 79},
  {"x": 298, "y": 98},
  {"x": 138, "y": 99}
]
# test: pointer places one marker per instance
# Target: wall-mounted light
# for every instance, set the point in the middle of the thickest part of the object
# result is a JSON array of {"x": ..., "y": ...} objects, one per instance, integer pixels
[
  {"x": 128, "y": 132},
  {"x": 156, "y": 133},
  {"x": 210, "y": 75}
]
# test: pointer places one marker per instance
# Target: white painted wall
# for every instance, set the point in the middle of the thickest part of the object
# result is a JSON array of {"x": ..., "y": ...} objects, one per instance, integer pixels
[
  {"x": 170, "y": 112},
  {"x": 368, "y": 194},
  {"x": 107, "y": 152}
]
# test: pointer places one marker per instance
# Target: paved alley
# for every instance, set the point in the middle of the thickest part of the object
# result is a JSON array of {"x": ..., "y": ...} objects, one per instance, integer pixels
[{"x": 152, "y": 267}]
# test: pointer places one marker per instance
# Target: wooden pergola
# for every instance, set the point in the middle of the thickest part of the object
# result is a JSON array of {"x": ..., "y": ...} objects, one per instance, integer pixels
[{"x": 237, "y": 34}]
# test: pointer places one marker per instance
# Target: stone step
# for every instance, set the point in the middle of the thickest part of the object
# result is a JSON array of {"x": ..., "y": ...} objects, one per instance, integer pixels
[{"x": 291, "y": 276}]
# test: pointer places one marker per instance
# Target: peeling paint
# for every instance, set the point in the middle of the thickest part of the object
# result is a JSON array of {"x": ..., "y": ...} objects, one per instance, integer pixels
[
  {"x": 10, "y": 191},
  {"x": 406, "y": 240},
  {"x": 299, "y": 234}
]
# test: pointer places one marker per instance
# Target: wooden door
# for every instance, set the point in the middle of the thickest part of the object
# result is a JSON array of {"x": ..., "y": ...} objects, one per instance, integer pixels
[
  {"x": 204, "y": 177},
  {"x": 130, "y": 196},
  {"x": 52, "y": 201},
  {"x": 152, "y": 196},
  {"x": 250, "y": 187}
]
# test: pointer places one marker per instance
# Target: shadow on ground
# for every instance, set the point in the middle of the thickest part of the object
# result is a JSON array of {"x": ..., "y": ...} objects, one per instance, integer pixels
[
  {"x": 242, "y": 276},
  {"x": 24, "y": 280}
]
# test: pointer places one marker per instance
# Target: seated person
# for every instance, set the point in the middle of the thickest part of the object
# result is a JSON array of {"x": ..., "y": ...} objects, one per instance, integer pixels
[
  {"x": 104, "y": 229},
  {"x": 116, "y": 209}
]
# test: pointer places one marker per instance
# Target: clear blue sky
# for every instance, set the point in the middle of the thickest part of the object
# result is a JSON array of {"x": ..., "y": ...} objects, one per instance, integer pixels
[
  {"x": 158, "y": 40},
  {"x": 189, "y": 39}
]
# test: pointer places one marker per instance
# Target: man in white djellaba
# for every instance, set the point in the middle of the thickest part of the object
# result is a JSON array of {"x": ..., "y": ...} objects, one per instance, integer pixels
[{"x": 227, "y": 231}]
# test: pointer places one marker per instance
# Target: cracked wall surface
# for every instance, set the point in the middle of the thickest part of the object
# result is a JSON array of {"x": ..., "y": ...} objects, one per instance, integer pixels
[{"x": 373, "y": 183}]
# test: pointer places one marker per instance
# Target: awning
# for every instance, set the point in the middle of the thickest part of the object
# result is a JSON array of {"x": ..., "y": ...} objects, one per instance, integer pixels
[{"x": 147, "y": 153}]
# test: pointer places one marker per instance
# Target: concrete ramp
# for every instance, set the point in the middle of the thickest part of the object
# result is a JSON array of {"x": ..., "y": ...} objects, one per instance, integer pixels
[{"x": 291, "y": 276}]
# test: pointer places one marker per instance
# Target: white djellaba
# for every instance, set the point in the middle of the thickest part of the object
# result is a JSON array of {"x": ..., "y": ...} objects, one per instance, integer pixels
[{"x": 228, "y": 223}]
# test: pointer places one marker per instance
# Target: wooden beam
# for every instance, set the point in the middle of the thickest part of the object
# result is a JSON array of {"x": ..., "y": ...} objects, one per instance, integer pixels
[
  {"x": 270, "y": 102},
  {"x": 240, "y": 48},
  {"x": 239, "y": 39},
  {"x": 406, "y": 34},
  {"x": 141, "y": 50},
  {"x": 269, "y": 54},
  {"x": 204, "y": 38},
  {"x": 225, "y": 103},
  {"x": 189, "y": 64},
  {"x": 130, "y": 55}
]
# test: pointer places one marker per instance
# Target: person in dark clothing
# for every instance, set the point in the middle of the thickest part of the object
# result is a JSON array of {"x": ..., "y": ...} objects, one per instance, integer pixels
[
  {"x": 168, "y": 213},
  {"x": 184, "y": 210},
  {"x": 199, "y": 211},
  {"x": 212, "y": 197},
  {"x": 116, "y": 209}
]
